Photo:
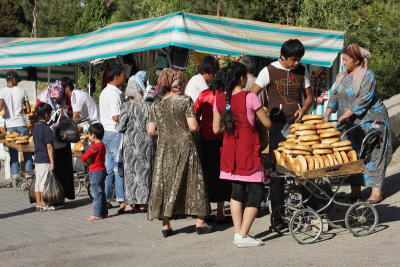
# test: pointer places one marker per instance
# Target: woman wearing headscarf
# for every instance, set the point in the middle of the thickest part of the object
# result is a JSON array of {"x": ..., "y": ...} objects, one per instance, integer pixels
[
  {"x": 138, "y": 149},
  {"x": 356, "y": 100},
  {"x": 178, "y": 184},
  {"x": 55, "y": 96},
  {"x": 148, "y": 91}
]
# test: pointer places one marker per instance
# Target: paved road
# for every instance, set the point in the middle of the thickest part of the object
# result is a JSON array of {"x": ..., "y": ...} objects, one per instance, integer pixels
[{"x": 65, "y": 238}]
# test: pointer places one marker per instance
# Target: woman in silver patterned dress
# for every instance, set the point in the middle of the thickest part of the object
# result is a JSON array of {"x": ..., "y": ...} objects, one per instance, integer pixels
[
  {"x": 178, "y": 185},
  {"x": 138, "y": 149},
  {"x": 356, "y": 100}
]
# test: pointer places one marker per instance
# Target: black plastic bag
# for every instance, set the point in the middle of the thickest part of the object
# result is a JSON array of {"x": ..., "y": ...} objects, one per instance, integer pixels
[
  {"x": 67, "y": 130},
  {"x": 53, "y": 191},
  {"x": 32, "y": 193}
]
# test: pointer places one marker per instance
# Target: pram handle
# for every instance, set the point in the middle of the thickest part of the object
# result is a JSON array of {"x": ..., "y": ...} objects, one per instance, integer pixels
[{"x": 380, "y": 123}]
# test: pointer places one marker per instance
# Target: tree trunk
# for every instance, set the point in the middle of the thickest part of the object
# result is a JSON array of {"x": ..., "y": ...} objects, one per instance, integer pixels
[
  {"x": 34, "y": 23},
  {"x": 218, "y": 7}
]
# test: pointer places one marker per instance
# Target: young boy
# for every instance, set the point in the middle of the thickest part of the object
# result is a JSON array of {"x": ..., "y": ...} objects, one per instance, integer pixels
[
  {"x": 95, "y": 158},
  {"x": 285, "y": 81},
  {"x": 206, "y": 70},
  {"x": 44, "y": 160}
]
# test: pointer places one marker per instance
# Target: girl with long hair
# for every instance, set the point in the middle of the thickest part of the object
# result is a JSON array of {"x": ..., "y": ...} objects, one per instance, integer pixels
[{"x": 234, "y": 115}]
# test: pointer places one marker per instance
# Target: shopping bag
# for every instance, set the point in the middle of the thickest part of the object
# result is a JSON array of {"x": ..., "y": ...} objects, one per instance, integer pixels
[
  {"x": 53, "y": 191},
  {"x": 119, "y": 159},
  {"x": 32, "y": 192},
  {"x": 67, "y": 130}
]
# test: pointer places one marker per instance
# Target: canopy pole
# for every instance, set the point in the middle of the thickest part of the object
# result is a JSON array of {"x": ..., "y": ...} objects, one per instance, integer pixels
[
  {"x": 48, "y": 75},
  {"x": 90, "y": 76}
]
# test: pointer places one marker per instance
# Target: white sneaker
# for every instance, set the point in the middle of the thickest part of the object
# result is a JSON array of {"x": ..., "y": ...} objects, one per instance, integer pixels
[
  {"x": 48, "y": 207},
  {"x": 247, "y": 241},
  {"x": 236, "y": 238}
]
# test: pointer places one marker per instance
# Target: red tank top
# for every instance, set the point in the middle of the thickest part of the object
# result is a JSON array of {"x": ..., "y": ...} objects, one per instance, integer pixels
[{"x": 239, "y": 152}]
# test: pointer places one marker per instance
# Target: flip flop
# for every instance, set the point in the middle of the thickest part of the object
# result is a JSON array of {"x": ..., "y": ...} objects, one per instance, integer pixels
[
  {"x": 94, "y": 218},
  {"x": 9, "y": 185},
  {"x": 373, "y": 202}
]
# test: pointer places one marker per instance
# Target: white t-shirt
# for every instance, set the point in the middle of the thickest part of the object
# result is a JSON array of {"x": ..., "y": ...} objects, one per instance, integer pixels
[
  {"x": 195, "y": 86},
  {"x": 263, "y": 77},
  {"x": 14, "y": 103},
  {"x": 110, "y": 105},
  {"x": 83, "y": 103}
]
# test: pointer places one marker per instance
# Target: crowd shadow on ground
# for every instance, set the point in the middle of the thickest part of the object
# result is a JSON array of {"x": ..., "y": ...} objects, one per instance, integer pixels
[{"x": 71, "y": 204}]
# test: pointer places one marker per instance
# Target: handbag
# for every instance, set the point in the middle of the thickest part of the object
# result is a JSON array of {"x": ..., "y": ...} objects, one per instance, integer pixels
[
  {"x": 119, "y": 159},
  {"x": 53, "y": 122}
]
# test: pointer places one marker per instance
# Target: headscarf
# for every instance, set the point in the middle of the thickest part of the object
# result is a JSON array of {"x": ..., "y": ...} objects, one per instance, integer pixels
[
  {"x": 55, "y": 90},
  {"x": 133, "y": 90},
  {"x": 140, "y": 77},
  {"x": 171, "y": 78},
  {"x": 357, "y": 53}
]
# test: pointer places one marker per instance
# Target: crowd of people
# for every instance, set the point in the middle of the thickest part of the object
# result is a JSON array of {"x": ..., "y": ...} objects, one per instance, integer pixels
[{"x": 186, "y": 146}]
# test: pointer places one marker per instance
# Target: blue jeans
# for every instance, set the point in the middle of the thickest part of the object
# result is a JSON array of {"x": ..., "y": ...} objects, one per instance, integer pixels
[
  {"x": 97, "y": 180},
  {"x": 14, "y": 162},
  {"x": 111, "y": 141}
]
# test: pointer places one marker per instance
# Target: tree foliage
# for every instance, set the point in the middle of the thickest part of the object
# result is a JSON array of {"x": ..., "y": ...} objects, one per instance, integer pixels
[{"x": 373, "y": 24}]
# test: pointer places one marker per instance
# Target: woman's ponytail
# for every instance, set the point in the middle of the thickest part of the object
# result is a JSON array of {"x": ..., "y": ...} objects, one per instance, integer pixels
[{"x": 231, "y": 78}]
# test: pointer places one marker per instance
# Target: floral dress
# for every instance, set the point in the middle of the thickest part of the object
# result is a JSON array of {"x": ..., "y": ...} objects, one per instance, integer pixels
[
  {"x": 366, "y": 106},
  {"x": 178, "y": 185}
]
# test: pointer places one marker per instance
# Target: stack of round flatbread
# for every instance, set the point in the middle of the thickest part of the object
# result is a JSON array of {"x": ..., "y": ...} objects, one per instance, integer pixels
[
  {"x": 22, "y": 140},
  {"x": 11, "y": 136},
  {"x": 313, "y": 144},
  {"x": 79, "y": 146}
]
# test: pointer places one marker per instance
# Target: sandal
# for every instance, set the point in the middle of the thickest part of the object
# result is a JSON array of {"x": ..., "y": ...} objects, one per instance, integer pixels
[
  {"x": 94, "y": 218},
  {"x": 9, "y": 185},
  {"x": 373, "y": 201}
]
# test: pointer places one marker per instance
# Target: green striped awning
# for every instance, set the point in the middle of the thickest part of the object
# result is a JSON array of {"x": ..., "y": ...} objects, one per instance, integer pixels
[{"x": 215, "y": 35}]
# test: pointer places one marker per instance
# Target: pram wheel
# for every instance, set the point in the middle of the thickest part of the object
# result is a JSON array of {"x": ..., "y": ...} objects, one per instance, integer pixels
[
  {"x": 281, "y": 216},
  {"x": 306, "y": 226},
  {"x": 361, "y": 219},
  {"x": 25, "y": 186},
  {"x": 77, "y": 185}
]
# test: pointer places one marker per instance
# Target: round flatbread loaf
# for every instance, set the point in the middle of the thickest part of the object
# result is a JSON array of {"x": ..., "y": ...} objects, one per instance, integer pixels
[
  {"x": 325, "y": 125},
  {"x": 310, "y": 162},
  {"x": 289, "y": 161},
  {"x": 343, "y": 148},
  {"x": 306, "y": 132},
  {"x": 308, "y": 143},
  {"x": 338, "y": 157},
  {"x": 308, "y": 138},
  {"x": 316, "y": 163},
  {"x": 286, "y": 142},
  {"x": 330, "y": 140},
  {"x": 326, "y": 161},
  {"x": 329, "y": 134},
  {"x": 313, "y": 122},
  {"x": 296, "y": 152},
  {"x": 320, "y": 131},
  {"x": 305, "y": 127},
  {"x": 335, "y": 161},
  {"x": 280, "y": 149},
  {"x": 321, "y": 146},
  {"x": 341, "y": 143},
  {"x": 312, "y": 117},
  {"x": 277, "y": 156},
  {"x": 298, "y": 147},
  {"x": 320, "y": 161},
  {"x": 290, "y": 136},
  {"x": 300, "y": 164},
  {"x": 322, "y": 151},
  {"x": 331, "y": 161},
  {"x": 292, "y": 140},
  {"x": 282, "y": 159},
  {"x": 344, "y": 156},
  {"x": 294, "y": 125}
]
